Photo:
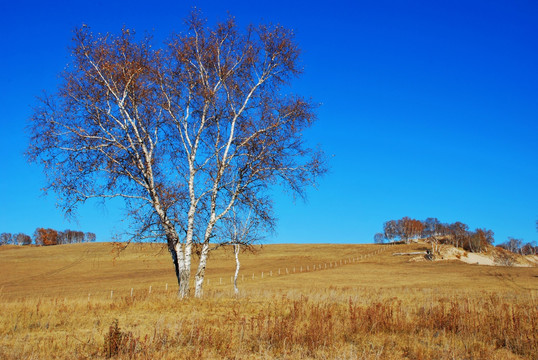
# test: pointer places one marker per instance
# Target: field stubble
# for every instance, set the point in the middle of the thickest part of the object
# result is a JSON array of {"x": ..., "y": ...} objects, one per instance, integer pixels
[{"x": 370, "y": 307}]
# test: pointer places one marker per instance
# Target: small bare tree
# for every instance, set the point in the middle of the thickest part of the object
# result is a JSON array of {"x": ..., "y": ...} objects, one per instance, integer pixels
[
  {"x": 6, "y": 239},
  {"x": 183, "y": 133},
  {"x": 242, "y": 230},
  {"x": 514, "y": 245},
  {"x": 379, "y": 238}
]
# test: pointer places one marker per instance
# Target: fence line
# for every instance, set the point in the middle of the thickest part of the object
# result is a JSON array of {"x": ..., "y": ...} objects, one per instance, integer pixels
[
  {"x": 320, "y": 267},
  {"x": 315, "y": 267}
]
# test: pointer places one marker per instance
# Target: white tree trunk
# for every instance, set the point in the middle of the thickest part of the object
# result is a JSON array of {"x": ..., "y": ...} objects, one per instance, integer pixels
[
  {"x": 184, "y": 271},
  {"x": 200, "y": 273},
  {"x": 237, "y": 266}
]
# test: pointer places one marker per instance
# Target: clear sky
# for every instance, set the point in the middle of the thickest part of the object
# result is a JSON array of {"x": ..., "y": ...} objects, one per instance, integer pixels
[{"x": 429, "y": 109}]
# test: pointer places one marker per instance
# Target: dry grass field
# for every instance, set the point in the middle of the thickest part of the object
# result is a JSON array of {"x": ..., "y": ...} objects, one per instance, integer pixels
[{"x": 84, "y": 301}]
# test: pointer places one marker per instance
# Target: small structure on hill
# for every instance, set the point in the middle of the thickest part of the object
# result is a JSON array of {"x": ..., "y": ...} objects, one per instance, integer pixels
[{"x": 429, "y": 255}]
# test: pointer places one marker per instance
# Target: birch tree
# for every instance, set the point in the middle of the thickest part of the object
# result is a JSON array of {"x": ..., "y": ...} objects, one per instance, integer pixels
[
  {"x": 241, "y": 230},
  {"x": 183, "y": 132},
  {"x": 432, "y": 231},
  {"x": 390, "y": 230},
  {"x": 6, "y": 239},
  {"x": 379, "y": 238}
]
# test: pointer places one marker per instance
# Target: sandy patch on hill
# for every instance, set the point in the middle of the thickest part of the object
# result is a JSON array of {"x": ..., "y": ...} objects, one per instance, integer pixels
[
  {"x": 490, "y": 258},
  {"x": 451, "y": 253},
  {"x": 478, "y": 259},
  {"x": 533, "y": 259}
]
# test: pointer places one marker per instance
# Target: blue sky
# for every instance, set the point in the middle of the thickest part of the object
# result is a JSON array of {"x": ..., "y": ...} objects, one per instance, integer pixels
[{"x": 429, "y": 109}]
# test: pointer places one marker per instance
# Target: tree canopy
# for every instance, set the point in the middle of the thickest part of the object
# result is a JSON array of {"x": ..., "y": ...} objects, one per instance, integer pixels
[{"x": 184, "y": 133}]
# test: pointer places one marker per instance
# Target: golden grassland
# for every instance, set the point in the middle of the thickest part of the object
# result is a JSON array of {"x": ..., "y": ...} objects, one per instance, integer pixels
[{"x": 313, "y": 302}]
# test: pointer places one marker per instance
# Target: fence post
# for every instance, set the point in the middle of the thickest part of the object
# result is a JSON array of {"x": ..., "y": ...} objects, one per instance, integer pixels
[
  {"x": 149, "y": 291},
  {"x": 111, "y": 293}
]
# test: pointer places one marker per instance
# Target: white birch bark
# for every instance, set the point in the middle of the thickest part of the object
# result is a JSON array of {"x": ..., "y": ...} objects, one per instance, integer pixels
[
  {"x": 237, "y": 266},
  {"x": 200, "y": 273}
]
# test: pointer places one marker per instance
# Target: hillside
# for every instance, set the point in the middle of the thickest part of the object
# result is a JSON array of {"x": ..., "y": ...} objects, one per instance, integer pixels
[
  {"x": 321, "y": 301},
  {"x": 97, "y": 269}
]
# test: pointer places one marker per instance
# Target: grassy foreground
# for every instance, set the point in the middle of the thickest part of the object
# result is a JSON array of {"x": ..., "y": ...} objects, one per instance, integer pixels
[{"x": 314, "y": 301}]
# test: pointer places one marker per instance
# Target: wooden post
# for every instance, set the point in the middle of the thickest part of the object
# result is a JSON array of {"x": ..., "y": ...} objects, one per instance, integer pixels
[
  {"x": 111, "y": 293},
  {"x": 149, "y": 292},
  {"x": 131, "y": 292}
]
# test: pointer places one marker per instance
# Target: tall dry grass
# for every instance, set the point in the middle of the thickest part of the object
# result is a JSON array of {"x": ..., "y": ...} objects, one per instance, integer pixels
[{"x": 331, "y": 324}]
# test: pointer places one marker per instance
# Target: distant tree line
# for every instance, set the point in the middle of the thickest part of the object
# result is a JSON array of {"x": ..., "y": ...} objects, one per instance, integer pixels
[
  {"x": 437, "y": 232},
  {"x": 47, "y": 237},
  {"x": 15, "y": 239},
  {"x": 517, "y": 246},
  {"x": 456, "y": 234}
]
